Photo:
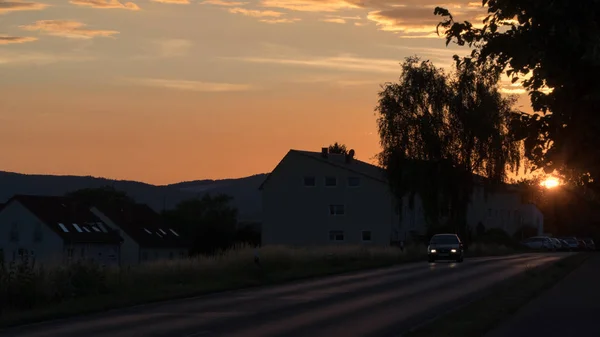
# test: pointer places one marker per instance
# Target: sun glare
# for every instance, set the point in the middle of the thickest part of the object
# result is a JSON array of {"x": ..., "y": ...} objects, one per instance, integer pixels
[{"x": 551, "y": 182}]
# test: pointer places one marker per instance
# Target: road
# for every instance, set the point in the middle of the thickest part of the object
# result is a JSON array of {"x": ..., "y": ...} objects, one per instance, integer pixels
[
  {"x": 377, "y": 303},
  {"x": 570, "y": 308}
]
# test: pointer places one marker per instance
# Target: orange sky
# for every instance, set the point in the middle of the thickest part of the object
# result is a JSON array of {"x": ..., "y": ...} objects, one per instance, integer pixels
[{"x": 173, "y": 90}]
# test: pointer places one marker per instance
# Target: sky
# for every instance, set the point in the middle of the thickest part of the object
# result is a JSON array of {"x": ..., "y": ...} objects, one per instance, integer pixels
[{"x": 163, "y": 91}]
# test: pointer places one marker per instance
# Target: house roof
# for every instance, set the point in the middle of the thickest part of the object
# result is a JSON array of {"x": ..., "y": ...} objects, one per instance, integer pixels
[
  {"x": 355, "y": 165},
  {"x": 71, "y": 220},
  {"x": 145, "y": 226}
]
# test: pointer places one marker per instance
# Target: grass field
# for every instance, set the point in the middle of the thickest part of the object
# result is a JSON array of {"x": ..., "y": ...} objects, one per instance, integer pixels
[{"x": 29, "y": 292}]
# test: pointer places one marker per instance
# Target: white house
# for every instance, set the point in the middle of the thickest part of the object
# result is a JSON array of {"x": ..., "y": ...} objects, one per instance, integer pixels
[
  {"x": 55, "y": 230},
  {"x": 532, "y": 217},
  {"x": 145, "y": 235},
  {"x": 314, "y": 198}
]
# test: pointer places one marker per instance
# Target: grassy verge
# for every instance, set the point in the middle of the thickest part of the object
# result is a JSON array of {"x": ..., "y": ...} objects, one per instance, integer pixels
[
  {"x": 477, "y": 318},
  {"x": 31, "y": 294}
]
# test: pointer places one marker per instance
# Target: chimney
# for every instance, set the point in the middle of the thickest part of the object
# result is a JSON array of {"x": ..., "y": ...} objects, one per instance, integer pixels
[
  {"x": 350, "y": 156},
  {"x": 324, "y": 152}
]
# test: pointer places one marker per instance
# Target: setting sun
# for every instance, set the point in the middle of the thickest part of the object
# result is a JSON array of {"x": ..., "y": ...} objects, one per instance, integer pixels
[{"x": 550, "y": 182}]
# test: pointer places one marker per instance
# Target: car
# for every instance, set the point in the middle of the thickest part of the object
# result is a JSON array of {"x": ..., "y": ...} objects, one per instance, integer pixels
[
  {"x": 564, "y": 245},
  {"x": 538, "y": 242},
  {"x": 557, "y": 245},
  {"x": 445, "y": 247},
  {"x": 572, "y": 242},
  {"x": 589, "y": 243}
]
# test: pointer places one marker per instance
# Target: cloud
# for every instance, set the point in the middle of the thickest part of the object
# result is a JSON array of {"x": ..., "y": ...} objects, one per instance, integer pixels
[
  {"x": 173, "y": 47},
  {"x": 407, "y": 18},
  {"x": 106, "y": 4},
  {"x": 190, "y": 85},
  {"x": 255, "y": 13},
  {"x": 267, "y": 16},
  {"x": 10, "y": 58},
  {"x": 15, "y": 39},
  {"x": 68, "y": 29},
  {"x": 13, "y": 6},
  {"x": 334, "y": 20},
  {"x": 310, "y": 5},
  {"x": 336, "y": 81},
  {"x": 344, "y": 62},
  {"x": 176, "y": 2},
  {"x": 223, "y": 3},
  {"x": 418, "y": 21}
]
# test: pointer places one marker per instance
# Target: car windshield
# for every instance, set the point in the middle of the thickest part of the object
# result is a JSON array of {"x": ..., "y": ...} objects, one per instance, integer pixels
[
  {"x": 444, "y": 239},
  {"x": 571, "y": 240}
]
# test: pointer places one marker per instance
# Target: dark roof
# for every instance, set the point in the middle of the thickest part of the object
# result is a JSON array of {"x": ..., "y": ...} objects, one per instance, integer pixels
[
  {"x": 71, "y": 220},
  {"x": 354, "y": 165},
  {"x": 144, "y": 225}
]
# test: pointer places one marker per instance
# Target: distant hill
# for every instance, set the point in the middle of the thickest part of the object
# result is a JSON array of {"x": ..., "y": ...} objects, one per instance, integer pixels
[{"x": 244, "y": 190}]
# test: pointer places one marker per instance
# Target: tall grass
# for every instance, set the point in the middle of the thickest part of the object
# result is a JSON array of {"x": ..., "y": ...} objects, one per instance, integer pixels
[{"x": 27, "y": 285}]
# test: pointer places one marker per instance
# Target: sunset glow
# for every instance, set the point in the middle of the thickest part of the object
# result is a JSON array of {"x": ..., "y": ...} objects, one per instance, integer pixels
[
  {"x": 551, "y": 182},
  {"x": 172, "y": 90}
]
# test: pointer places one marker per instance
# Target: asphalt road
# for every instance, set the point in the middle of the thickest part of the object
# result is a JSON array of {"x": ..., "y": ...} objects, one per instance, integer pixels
[
  {"x": 568, "y": 309},
  {"x": 378, "y": 303}
]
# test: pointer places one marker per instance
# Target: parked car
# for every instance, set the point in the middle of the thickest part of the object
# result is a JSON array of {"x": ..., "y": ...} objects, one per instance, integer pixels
[
  {"x": 582, "y": 244},
  {"x": 445, "y": 247},
  {"x": 538, "y": 242},
  {"x": 589, "y": 243},
  {"x": 572, "y": 242},
  {"x": 556, "y": 243},
  {"x": 565, "y": 245}
]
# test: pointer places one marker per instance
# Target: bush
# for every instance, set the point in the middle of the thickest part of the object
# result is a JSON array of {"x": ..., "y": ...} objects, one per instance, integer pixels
[{"x": 25, "y": 285}]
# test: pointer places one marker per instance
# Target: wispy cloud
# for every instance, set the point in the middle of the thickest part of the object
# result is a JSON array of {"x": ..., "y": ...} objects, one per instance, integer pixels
[
  {"x": 13, "y": 6},
  {"x": 334, "y": 20},
  {"x": 106, "y": 4},
  {"x": 266, "y": 16},
  {"x": 165, "y": 48},
  {"x": 173, "y": 47},
  {"x": 225, "y": 3},
  {"x": 68, "y": 29},
  {"x": 12, "y": 58},
  {"x": 344, "y": 62},
  {"x": 336, "y": 81},
  {"x": 189, "y": 85},
  {"x": 15, "y": 39},
  {"x": 310, "y": 5},
  {"x": 176, "y": 2}
]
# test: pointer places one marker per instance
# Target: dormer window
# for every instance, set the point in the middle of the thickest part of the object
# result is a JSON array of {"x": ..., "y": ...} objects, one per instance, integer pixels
[
  {"x": 310, "y": 181},
  {"x": 330, "y": 181}
]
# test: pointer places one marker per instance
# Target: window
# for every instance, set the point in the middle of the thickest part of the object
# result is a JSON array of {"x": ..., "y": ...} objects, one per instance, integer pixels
[
  {"x": 353, "y": 181},
  {"x": 310, "y": 181},
  {"x": 14, "y": 232},
  {"x": 336, "y": 235},
  {"x": 37, "y": 233},
  {"x": 336, "y": 210},
  {"x": 77, "y": 228},
  {"x": 330, "y": 181},
  {"x": 70, "y": 252},
  {"x": 366, "y": 235}
]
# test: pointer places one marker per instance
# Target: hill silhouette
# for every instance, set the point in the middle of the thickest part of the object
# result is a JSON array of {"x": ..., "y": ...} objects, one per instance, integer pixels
[{"x": 244, "y": 190}]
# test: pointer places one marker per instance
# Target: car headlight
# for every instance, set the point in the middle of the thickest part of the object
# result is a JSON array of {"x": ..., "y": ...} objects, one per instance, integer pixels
[
  {"x": 453, "y": 250},
  {"x": 433, "y": 251}
]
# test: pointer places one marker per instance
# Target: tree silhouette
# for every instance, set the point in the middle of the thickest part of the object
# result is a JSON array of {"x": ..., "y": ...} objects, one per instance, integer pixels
[
  {"x": 102, "y": 196},
  {"x": 552, "y": 49},
  {"x": 338, "y": 148},
  {"x": 438, "y": 130},
  {"x": 209, "y": 222}
]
